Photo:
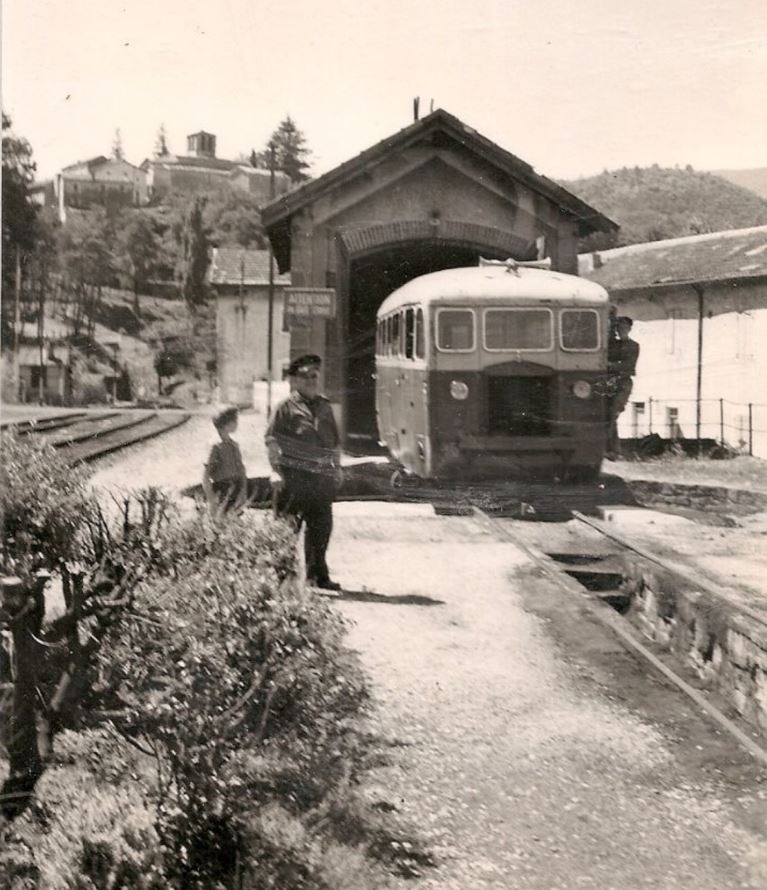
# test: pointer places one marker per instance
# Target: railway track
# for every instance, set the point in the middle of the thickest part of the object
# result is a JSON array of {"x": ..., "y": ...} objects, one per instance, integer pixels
[
  {"x": 593, "y": 568},
  {"x": 84, "y": 437}
]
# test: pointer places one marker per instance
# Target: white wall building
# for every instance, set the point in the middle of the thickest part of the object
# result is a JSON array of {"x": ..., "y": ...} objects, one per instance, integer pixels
[
  {"x": 240, "y": 279},
  {"x": 699, "y": 306}
]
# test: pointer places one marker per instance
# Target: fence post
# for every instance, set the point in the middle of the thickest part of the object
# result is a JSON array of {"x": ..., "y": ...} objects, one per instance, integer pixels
[
  {"x": 24, "y": 607},
  {"x": 649, "y": 414},
  {"x": 750, "y": 429},
  {"x": 721, "y": 422}
]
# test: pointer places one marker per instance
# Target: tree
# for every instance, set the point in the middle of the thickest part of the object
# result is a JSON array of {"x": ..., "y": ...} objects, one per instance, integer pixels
[
  {"x": 19, "y": 214},
  {"x": 232, "y": 217},
  {"x": 137, "y": 251},
  {"x": 291, "y": 153},
  {"x": 117, "y": 146},
  {"x": 253, "y": 158},
  {"x": 161, "y": 143},
  {"x": 85, "y": 249},
  {"x": 195, "y": 256}
]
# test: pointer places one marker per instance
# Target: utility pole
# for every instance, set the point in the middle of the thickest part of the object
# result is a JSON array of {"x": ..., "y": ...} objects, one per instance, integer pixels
[
  {"x": 270, "y": 331},
  {"x": 17, "y": 322}
]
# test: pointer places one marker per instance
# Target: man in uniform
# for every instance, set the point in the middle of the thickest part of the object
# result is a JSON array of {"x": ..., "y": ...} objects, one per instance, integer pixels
[
  {"x": 305, "y": 455},
  {"x": 622, "y": 355}
]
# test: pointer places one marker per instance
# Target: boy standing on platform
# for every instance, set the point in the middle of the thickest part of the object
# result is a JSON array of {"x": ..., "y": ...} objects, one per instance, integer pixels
[{"x": 224, "y": 480}]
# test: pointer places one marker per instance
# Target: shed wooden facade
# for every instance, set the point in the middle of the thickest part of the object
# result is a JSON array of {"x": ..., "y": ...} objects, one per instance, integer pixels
[{"x": 435, "y": 195}]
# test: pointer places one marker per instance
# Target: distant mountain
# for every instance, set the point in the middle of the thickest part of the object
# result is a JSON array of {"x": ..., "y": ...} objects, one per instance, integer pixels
[
  {"x": 652, "y": 203},
  {"x": 755, "y": 180}
]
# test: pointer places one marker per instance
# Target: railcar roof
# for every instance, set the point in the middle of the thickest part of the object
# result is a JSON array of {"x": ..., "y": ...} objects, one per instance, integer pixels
[{"x": 496, "y": 284}]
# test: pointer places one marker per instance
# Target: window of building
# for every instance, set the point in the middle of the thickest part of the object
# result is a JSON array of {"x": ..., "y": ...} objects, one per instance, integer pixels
[
  {"x": 455, "y": 330},
  {"x": 518, "y": 329},
  {"x": 672, "y": 423},
  {"x": 409, "y": 333},
  {"x": 637, "y": 417},
  {"x": 579, "y": 329},
  {"x": 419, "y": 335}
]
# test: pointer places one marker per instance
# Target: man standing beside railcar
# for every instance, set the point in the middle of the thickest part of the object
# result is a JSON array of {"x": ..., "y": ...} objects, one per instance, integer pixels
[
  {"x": 305, "y": 455},
  {"x": 622, "y": 356}
]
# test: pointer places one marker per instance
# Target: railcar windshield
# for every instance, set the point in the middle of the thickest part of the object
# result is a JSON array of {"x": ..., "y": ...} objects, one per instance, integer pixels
[
  {"x": 579, "y": 329},
  {"x": 518, "y": 329},
  {"x": 455, "y": 330}
]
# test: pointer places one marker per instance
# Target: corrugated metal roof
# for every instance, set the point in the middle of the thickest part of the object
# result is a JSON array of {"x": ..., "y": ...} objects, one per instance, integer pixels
[
  {"x": 716, "y": 256},
  {"x": 237, "y": 265}
]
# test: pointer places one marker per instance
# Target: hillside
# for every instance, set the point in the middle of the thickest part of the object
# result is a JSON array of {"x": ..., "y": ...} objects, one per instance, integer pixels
[
  {"x": 754, "y": 180},
  {"x": 652, "y": 203}
]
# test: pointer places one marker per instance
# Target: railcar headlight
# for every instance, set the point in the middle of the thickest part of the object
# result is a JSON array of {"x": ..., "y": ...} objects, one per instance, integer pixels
[
  {"x": 459, "y": 390},
  {"x": 581, "y": 389}
]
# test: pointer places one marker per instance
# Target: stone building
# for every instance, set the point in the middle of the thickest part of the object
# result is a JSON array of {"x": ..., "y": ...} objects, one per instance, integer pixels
[
  {"x": 199, "y": 170},
  {"x": 240, "y": 280},
  {"x": 100, "y": 182},
  {"x": 699, "y": 306},
  {"x": 435, "y": 195}
]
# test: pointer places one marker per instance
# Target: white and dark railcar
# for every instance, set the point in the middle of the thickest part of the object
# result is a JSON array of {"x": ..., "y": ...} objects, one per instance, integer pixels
[{"x": 494, "y": 371}]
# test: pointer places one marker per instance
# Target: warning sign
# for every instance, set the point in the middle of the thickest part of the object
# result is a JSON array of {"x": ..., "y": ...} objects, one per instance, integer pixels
[{"x": 310, "y": 302}]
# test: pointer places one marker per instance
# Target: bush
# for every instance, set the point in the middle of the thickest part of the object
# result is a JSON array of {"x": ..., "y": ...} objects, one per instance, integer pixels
[
  {"x": 43, "y": 504},
  {"x": 240, "y": 680},
  {"x": 219, "y": 711}
]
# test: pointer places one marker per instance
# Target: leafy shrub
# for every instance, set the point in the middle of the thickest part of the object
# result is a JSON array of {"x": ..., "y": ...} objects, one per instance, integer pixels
[
  {"x": 43, "y": 503},
  {"x": 241, "y": 680}
]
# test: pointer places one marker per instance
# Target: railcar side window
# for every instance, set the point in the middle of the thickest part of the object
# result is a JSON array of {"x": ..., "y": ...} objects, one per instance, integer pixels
[
  {"x": 395, "y": 348},
  {"x": 518, "y": 329},
  {"x": 409, "y": 332},
  {"x": 579, "y": 329},
  {"x": 419, "y": 335},
  {"x": 455, "y": 330}
]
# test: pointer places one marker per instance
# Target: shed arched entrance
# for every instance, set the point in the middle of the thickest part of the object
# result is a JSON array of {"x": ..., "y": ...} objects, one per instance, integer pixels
[{"x": 375, "y": 261}]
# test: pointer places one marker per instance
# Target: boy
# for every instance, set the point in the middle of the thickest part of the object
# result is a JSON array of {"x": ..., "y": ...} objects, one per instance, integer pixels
[{"x": 224, "y": 480}]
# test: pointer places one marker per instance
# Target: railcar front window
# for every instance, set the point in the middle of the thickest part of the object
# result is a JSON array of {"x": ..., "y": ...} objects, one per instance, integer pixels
[
  {"x": 455, "y": 330},
  {"x": 518, "y": 329},
  {"x": 395, "y": 344},
  {"x": 579, "y": 329}
]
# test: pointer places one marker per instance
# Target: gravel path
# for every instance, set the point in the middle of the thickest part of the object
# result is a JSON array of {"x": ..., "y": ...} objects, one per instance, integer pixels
[{"x": 520, "y": 771}]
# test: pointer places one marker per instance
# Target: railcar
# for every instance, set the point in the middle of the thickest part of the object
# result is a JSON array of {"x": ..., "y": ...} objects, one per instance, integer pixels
[{"x": 493, "y": 371}]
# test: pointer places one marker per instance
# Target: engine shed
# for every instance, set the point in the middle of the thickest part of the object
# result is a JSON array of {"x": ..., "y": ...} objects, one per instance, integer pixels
[{"x": 436, "y": 195}]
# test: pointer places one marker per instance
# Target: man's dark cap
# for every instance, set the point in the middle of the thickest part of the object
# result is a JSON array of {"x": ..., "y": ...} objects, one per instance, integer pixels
[
  {"x": 624, "y": 319},
  {"x": 225, "y": 417},
  {"x": 303, "y": 364}
]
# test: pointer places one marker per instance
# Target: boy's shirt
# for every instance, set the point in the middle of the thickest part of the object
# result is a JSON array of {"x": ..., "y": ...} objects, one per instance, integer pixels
[{"x": 225, "y": 462}]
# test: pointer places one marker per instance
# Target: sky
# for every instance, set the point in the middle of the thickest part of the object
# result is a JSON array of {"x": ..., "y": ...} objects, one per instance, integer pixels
[{"x": 571, "y": 86}]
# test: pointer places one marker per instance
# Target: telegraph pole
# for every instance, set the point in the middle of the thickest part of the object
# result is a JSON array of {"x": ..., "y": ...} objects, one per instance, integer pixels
[{"x": 270, "y": 331}]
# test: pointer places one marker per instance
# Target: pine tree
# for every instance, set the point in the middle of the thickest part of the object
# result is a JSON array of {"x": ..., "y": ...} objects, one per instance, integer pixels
[
  {"x": 290, "y": 151},
  {"x": 117, "y": 146},
  {"x": 195, "y": 262}
]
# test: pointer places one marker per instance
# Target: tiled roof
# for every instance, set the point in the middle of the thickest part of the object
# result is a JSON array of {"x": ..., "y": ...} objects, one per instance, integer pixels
[
  {"x": 194, "y": 161},
  {"x": 236, "y": 265},
  {"x": 719, "y": 256},
  {"x": 101, "y": 169}
]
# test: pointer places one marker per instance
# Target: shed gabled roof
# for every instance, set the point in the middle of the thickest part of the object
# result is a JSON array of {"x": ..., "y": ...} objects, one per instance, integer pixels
[
  {"x": 737, "y": 255},
  {"x": 239, "y": 265},
  {"x": 589, "y": 219}
]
